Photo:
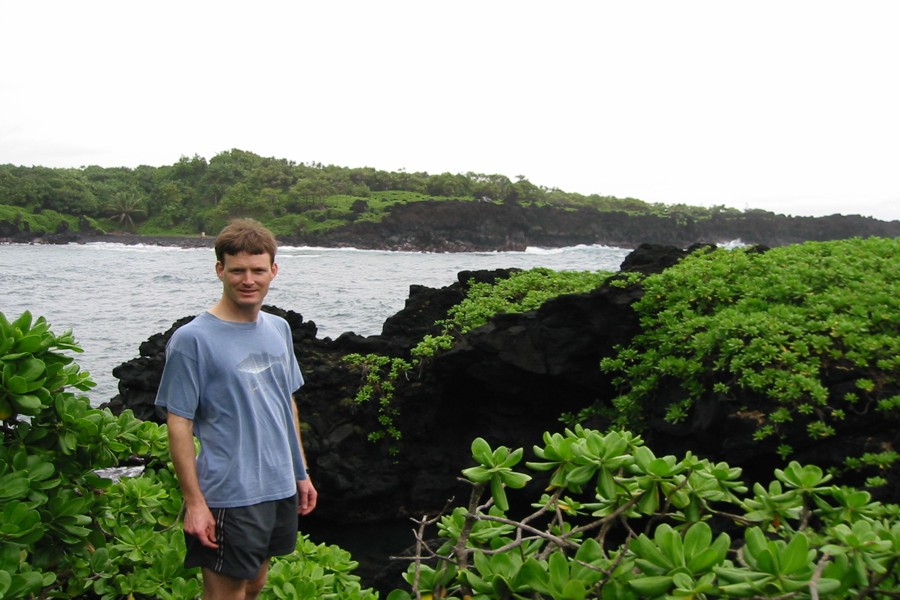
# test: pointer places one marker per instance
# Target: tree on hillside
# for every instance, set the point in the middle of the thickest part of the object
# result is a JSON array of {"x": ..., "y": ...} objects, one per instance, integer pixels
[
  {"x": 227, "y": 169},
  {"x": 124, "y": 208},
  {"x": 447, "y": 184}
]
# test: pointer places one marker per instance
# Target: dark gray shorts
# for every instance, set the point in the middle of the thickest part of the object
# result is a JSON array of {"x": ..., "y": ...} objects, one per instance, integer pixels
[{"x": 247, "y": 536}]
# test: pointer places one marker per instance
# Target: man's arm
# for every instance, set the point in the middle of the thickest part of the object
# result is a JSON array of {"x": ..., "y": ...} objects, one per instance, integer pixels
[
  {"x": 305, "y": 489},
  {"x": 198, "y": 520}
]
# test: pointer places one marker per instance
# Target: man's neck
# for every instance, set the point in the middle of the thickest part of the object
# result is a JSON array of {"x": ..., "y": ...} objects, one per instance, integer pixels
[{"x": 229, "y": 312}]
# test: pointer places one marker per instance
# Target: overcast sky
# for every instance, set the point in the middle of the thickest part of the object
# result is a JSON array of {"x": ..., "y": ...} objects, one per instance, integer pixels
[{"x": 788, "y": 106}]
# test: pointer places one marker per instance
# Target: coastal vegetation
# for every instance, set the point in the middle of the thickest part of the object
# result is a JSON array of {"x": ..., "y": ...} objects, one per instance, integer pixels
[
  {"x": 615, "y": 521},
  {"x": 522, "y": 291},
  {"x": 775, "y": 329},
  {"x": 70, "y": 527},
  {"x": 769, "y": 330},
  {"x": 803, "y": 337},
  {"x": 618, "y": 522},
  {"x": 197, "y": 195}
]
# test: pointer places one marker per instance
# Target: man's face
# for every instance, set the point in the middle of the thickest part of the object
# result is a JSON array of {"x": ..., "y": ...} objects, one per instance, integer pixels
[{"x": 246, "y": 278}]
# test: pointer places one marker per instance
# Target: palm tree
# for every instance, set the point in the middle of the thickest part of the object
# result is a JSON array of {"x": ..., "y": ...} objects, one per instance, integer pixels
[{"x": 124, "y": 208}]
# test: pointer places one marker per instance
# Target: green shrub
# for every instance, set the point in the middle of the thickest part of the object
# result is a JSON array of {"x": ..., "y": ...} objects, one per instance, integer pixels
[
  {"x": 618, "y": 522},
  {"x": 779, "y": 324},
  {"x": 522, "y": 291},
  {"x": 380, "y": 375},
  {"x": 43, "y": 222},
  {"x": 68, "y": 532},
  {"x": 315, "y": 571},
  {"x": 63, "y": 533}
]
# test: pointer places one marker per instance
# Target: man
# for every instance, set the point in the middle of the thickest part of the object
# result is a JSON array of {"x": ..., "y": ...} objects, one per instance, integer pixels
[{"x": 229, "y": 380}]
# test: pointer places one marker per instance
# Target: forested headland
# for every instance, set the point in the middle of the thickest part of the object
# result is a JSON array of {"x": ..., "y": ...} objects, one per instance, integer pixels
[{"x": 329, "y": 205}]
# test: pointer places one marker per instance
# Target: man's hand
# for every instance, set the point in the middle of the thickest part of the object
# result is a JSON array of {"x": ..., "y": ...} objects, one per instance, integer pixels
[
  {"x": 198, "y": 519},
  {"x": 200, "y": 523},
  {"x": 307, "y": 496}
]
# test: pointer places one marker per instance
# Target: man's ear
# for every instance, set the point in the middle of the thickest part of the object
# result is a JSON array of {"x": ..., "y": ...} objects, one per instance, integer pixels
[
  {"x": 220, "y": 269},
  {"x": 274, "y": 269}
]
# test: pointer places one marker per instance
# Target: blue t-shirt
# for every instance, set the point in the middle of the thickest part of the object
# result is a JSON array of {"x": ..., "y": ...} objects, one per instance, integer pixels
[{"x": 235, "y": 382}]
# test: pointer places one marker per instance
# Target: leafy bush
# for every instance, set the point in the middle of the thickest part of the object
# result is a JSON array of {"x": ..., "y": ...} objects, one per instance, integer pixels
[
  {"x": 618, "y": 522},
  {"x": 522, "y": 291},
  {"x": 63, "y": 529},
  {"x": 45, "y": 221},
  {"x": 782, "y": 325},
  {"x": 315, "y": 571},
  {"x": 380, "y": 375},
  {"x": 66, "y": 531}
]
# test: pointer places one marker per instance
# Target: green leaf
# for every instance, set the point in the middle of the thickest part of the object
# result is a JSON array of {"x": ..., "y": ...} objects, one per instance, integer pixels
[
  {"x": 646, "y": 549},
  {"x": 28, "y": 404},
  {"x": 574, "y": 590},
  {"x": 14, "y": 485},
  {"x": 5, "y": 583},
  {"x": 17, "y": 384},
  {"x": 740, "y": 590},
  {"x": 755, "y": 541},
  {"x": 32, "y": 369},
  {"x": 499, "y": 494},
  {"x": 580, "y": 475},
  {"x": 40, "y": 471},
  {"x": 795, "y": 556},
  {"x": 670, "y": 543},
  {"x": 398, "y": 594},
  {"x": 559, "y": 571},
  {"x": 23, "y": 585},
  {"x": 514, "y": 480},
  {"x": 704, "y": 560},
  {"x": 29, "y": 344},
  {"x": 648, "y": 503},
  {"x": 68, "y": 441},
  {"x": 481, "y": 452},
  {"x": 643, "y": 457},
  {"x": 651, "y": 587},
  {"x": 697, "y": 538},
  {"x": 23, "y": 322},
  {"x": 477, "y": 474},
  {"x": 606, "y": 485}
]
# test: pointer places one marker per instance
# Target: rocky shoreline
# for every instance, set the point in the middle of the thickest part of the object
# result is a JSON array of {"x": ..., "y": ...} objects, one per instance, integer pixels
[
  {"x": 508, "y": 381},
  {"x": 131, "y": 239},
  {"x": 457, "y": 226}
]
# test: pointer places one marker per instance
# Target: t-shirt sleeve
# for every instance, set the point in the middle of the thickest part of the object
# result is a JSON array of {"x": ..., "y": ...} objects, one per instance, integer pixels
[
  {"x": 296, "y": 377},
  {"x": 179, "y": 388},
  {"x": 295, "y": 383}
]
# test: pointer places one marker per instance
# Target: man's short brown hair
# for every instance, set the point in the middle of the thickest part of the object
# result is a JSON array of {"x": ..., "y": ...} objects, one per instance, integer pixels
[{"x": 245, "y": 235}]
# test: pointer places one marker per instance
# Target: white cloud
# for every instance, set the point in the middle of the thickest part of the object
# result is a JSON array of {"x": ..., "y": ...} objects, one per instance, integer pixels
[{"x": 785, "y": 106}]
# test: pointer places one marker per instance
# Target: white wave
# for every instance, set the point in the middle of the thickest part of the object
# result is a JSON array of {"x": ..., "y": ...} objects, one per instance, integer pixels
[
  {"x": 566, "y": 249},
  {"x": 120, "y": 247}
]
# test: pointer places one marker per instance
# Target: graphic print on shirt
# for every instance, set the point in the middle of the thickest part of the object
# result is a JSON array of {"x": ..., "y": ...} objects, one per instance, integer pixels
[
  {"x": 259, "y": 369},
  {"x": 257, "y": 363}
]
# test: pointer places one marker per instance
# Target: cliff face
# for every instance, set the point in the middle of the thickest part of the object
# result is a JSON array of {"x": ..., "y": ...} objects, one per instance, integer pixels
[
  {"x": 454, "y": 226},
  {"x": 477, "y": 226}
]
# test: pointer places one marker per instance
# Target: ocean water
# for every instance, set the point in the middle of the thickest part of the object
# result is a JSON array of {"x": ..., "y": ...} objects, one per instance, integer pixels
[{"x": 115, "y": 296}]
